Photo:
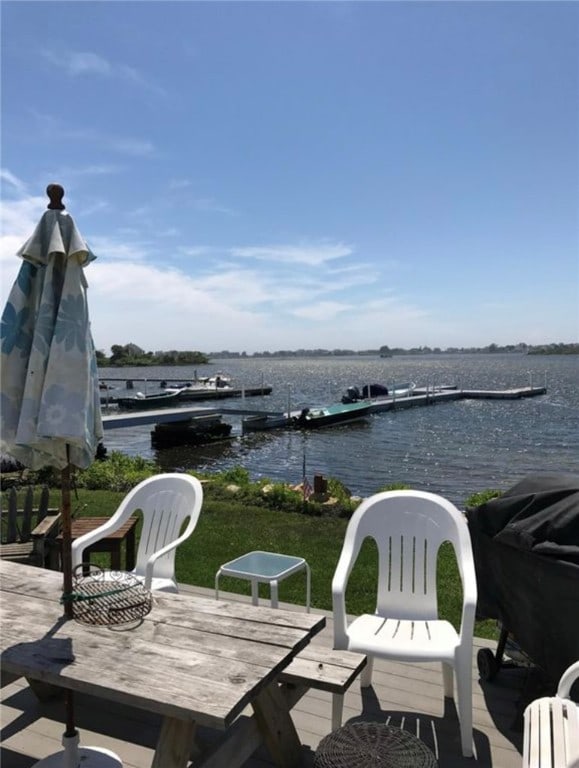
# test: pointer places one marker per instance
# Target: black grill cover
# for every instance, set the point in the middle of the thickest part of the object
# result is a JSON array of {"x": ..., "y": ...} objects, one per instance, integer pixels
[{"x": 526, "y": 551}]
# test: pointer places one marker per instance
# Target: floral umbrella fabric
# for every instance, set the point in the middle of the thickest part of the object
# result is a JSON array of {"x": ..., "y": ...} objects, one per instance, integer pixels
[{"x": 49, "y": 398}]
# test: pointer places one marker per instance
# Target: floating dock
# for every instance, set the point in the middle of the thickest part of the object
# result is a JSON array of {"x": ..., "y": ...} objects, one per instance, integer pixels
[
  {"x": 219, "y": 393},
  {"x": 420, "y": 397}
]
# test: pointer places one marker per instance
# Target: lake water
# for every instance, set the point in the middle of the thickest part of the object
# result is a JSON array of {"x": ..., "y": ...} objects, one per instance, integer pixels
[{"x": 454, "y": 448}]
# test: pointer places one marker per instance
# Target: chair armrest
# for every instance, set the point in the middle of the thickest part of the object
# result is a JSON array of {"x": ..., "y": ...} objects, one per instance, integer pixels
[
  {"x": 150, "y": 566},
  {"x": 469, "y": 593},
  {"x": 80, "y": 544},
  {"x": 339, "y": 583},
  {"x": 48, "y": 526}
]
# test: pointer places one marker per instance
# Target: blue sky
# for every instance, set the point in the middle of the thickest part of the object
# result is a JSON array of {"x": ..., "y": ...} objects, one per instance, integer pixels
[{"x": 284, "y": 175}]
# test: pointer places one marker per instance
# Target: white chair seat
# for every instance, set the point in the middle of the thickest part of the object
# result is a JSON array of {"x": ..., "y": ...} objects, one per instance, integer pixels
[{"x": 403, "y": 639}]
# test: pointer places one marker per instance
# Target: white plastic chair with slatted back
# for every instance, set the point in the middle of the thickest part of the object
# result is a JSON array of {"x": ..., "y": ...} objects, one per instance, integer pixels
[
  {"x": 409, "y": 527},
  {"x": 166, "y": 501},
  {"x": 551, "y": 727}
]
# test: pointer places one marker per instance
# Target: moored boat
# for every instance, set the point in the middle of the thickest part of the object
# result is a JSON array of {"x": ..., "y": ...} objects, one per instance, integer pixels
[
  {"x": 378, "y": 391},
  {"x": 333, "y": 415},
  {"x": 141, "y": 402},
  {"x": 262, "y": 422}
]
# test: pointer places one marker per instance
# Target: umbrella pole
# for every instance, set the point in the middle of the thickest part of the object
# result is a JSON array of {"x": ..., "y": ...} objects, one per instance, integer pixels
[
  {"x": 67, "y": 581},
  {"x": 66, "y": 541}
]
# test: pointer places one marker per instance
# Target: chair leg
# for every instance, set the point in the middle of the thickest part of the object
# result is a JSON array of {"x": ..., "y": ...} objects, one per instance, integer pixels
[
  {"x": 337, "y": 710},
  {"x": 464, "y": 703},
  {"x": 448, "y": 680},
  {"x": 366, "y": 674}
]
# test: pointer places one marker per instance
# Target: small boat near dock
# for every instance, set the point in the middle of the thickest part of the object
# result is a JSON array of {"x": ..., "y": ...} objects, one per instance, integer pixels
[
  {"x": 266, "y": 421},
  {"x": 141, "y": 402},
  {"x": 378, "y": 391},
  {"x": 332, "y": 415}
]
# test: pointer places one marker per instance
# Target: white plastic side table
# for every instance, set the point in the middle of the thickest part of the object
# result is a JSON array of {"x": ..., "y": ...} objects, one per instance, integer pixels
[{"x": 267, "y": 568}]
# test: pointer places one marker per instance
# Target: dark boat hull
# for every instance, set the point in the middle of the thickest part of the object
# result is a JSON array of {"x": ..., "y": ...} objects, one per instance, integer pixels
[
  {"x": 333, "y": 415},
  {"x": 195, "y": 431},
  {"x": 147, "y": 403}
]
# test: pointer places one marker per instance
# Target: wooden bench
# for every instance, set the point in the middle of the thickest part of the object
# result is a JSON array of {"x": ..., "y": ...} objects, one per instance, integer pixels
[
  {"x": 551, "y": 728},
  {"x": 314, "y": 667},
  {"x": 324, "y": 669},
  {"x": 26, "y": 530}
]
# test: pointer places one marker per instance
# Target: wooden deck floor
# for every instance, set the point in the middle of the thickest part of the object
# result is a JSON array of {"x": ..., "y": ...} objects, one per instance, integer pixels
[{"x": 409, "y": 695}]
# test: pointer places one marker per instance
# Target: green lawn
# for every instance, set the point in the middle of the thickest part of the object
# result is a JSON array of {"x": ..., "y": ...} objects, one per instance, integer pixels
[{"x": 229, "y": 528}]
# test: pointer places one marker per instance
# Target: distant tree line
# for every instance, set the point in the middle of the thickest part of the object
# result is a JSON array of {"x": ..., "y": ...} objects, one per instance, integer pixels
[
  {"x": 132, "y": 355},
  {"x": 386, "y": 351}
]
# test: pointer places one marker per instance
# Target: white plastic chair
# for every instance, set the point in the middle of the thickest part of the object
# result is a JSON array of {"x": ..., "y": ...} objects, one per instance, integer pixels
[
  {"x": 166, "y": 501},
  {"x": 409, "y": 527},
  {"x": 551, "y": 727}
]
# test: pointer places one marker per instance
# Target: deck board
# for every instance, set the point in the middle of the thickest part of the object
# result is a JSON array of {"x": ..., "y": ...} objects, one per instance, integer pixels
[{"x": 408, "y": 694}]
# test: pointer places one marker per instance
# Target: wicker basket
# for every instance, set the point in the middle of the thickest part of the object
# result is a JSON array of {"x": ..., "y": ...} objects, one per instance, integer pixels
[
  {"x": 106, "y": 598},
  {"x": 372, "y": 745}
]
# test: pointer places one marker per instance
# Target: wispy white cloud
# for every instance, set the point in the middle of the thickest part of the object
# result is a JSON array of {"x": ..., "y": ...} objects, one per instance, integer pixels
[
  {"x": 196, "y": 250},
  {"x": 312, "y": 255},
  {"x": 98, "y": 206},
  {"x": 212, "y": 206},
  {"x": 80, "y": 62},
  {"x": 89, "y": 63},
  {"x": 178, "y": 184},
  {"x": 131, "y": 146},
  {"x": 112, "y": 249},
  {"x": 18, "y": 219},
  {"x": 322, "y": 310},
  {"x": 52, "y": 127},
  {"x": 78, "y": 171},
  {"x": 6, "y": 177}
]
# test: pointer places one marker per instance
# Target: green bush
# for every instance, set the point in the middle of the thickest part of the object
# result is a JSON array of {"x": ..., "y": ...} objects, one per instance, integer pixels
[
  {"x": 117, "y": 473},
  {"x": 476, "y": 499},
  {"x": 236, "y": 475},
  {"x": 394, "y": 487}
]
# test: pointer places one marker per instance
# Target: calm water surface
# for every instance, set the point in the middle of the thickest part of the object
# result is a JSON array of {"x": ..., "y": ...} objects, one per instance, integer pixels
[{"x": 454, "y": 448}]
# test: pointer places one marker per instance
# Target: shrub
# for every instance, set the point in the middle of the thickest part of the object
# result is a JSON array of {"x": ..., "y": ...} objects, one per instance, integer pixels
[
  {"x": 394, "y": 487},
  {"x": 118, "y": 473},
  {"x": 476, "y": 499},
  {"x": 236, "y": 475}
]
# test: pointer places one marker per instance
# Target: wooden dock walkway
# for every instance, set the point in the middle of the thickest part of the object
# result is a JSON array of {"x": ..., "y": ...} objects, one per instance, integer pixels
[{"x": 407, "y": 695}]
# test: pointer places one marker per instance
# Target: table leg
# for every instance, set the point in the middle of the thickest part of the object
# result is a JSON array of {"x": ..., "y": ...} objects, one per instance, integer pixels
[
  {"x": 277, "y": 727},
  {"x": 174, "y": 743},
  {"x": 116, "y": 556},
  {"x": 273, "y": 590},
  {"x": 130, "y": 550},
  {"x": 254, "y": 591}
]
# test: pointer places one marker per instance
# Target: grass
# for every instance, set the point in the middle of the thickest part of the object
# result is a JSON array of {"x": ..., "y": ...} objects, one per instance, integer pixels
[{"x": 228, "y": 528}]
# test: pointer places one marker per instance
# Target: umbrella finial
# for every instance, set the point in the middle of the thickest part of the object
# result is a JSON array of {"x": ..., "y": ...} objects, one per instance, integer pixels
[{"x": 55, "y": 192}]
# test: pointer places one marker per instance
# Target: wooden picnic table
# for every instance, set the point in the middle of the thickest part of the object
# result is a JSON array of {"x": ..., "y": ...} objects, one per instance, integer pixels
[{"x": 192, "y": 660}]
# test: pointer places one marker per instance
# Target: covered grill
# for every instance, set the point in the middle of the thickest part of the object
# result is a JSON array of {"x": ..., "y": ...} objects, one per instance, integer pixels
[{"x": 526, "y": 550}]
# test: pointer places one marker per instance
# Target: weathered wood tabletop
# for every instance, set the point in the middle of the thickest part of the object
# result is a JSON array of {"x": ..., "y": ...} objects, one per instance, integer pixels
[{"x": 192, "y": 660}]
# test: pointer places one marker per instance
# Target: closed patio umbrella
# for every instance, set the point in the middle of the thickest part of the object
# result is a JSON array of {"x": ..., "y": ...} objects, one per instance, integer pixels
[{"x": 49, "y": 398}]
